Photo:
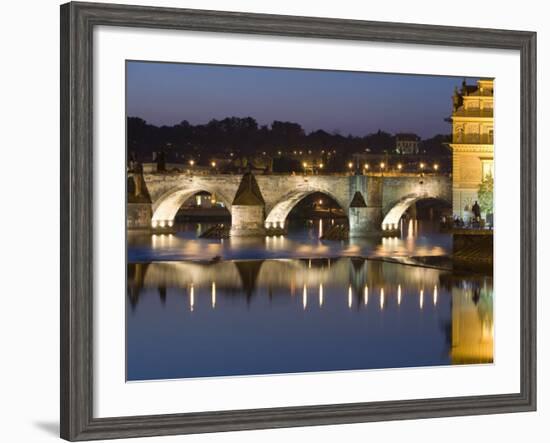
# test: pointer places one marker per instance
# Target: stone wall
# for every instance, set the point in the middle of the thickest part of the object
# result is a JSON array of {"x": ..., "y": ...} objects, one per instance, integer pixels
[
  {"x": 247, "y": 221},
  {"x": 138, "y": 215}
]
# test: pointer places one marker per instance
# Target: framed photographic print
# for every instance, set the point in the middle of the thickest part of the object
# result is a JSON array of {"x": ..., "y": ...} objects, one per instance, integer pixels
[{"x": 272, "y": 221}]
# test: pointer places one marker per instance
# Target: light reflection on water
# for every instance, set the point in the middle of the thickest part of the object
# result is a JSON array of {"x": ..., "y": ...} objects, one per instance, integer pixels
[
  {"x": 418, "y": 239},
  {"x": 236, "y": 317}
]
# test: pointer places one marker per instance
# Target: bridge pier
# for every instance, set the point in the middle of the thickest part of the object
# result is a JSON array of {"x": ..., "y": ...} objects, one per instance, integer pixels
[
  {"x": 247, "y": 221},
  {"x": 139, "y": 208},
  {"x": 138, "y": 215},
  {"x": 248, "y": 209},
  {"x": 357, "y": 215},
  {"x": 365, "y": 217}
]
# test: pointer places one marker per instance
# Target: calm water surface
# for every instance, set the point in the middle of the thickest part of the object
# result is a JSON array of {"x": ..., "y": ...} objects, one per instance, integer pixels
[{"x": 279, "y": 305}]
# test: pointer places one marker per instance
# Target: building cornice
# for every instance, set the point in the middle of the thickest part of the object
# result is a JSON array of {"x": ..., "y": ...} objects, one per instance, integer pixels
[
  {"x": 465, "y": 147},
  {"x": 477, "y": 119}
]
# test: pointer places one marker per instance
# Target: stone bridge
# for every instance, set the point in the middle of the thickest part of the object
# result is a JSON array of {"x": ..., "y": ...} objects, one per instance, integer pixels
[{"x": 374, "y": 203}]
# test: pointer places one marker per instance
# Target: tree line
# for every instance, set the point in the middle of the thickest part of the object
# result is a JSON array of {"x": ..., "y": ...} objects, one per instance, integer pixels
[{"x": 240, "y": 137}]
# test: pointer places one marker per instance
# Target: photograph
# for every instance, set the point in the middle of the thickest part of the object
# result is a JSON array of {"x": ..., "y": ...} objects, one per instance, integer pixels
[
  {"x": 285, "y": 220},
  {"x": 266, "y": 222}
]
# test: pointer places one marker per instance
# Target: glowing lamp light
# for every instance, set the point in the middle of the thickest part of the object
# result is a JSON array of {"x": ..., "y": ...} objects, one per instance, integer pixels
[
  {"x": 399, "y": 166},
  {"x": 382, "y": 165},
  {"x": 213, "y": 164},
  {"x": 304, "y": 164},
  {"x": 192, "y": 162},
  {"x": 436, "y": 166},
  {"x": 366, "y": 166},
  {"x": 422, "y": 165},
  {"x": 350, "y": 165},
  {"x": 321, "y": 165}
]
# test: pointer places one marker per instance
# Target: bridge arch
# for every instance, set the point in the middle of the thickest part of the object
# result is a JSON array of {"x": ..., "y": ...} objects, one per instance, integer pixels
[
  {"x": 398, "y": 208},
  {"x": 166, "y": 207},
  {"x": 276, "y": 217}
]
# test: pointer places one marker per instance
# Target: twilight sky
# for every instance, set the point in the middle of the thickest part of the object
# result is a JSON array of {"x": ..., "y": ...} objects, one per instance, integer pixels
[{"x": 355, "y": 103}]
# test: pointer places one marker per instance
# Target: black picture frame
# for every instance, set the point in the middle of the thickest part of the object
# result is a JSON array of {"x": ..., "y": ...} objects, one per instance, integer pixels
[{"x": 77, "y": 23}]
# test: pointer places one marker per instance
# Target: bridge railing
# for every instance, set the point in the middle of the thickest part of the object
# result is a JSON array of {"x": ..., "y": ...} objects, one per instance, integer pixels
[{"x": 287, "y": 174}]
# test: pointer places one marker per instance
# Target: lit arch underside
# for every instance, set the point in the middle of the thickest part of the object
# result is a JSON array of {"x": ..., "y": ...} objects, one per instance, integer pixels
[
  {"x": 392, "y": 218},
  {"x": 277, "y": 216},
  {"x": 167, "y": 207}
]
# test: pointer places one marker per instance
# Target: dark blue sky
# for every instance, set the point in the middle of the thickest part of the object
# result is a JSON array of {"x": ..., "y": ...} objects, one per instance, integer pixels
[{"x": 355, "y": 103}]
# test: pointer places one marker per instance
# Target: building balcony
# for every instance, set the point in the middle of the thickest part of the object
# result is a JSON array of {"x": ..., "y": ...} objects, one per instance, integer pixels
[{"x": 474, "y": 139}]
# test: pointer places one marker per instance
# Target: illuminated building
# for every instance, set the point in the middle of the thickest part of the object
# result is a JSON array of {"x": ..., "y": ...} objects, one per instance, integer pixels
[
  {"x": 472, "y": 143},
  {"x": 406, "y": 143}
]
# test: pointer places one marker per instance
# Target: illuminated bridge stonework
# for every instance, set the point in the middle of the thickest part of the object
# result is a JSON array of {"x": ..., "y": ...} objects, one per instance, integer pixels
[{"x": 386, "y": 198}]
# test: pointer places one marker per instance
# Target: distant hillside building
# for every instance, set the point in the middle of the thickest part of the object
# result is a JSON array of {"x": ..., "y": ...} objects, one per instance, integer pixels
[
  {"x": 407, "y": 143},
  {"x": 472, "y": 143}
]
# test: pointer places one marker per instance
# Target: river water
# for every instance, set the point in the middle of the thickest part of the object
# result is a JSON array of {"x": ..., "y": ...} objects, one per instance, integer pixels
[{"x": 200, "y": 308}]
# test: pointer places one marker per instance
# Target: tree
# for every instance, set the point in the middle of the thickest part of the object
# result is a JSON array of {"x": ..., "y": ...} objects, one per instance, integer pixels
[
  {"x": 286, "y": 164},
  {"x": 485, "y": 194}
]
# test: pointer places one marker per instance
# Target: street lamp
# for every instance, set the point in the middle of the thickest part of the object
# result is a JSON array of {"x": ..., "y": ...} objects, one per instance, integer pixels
[
  {"x": 366, "y": 166},
  {"x": 350, "y": 165},
  {"x": 191, "y": 162},
  {"x": 321, "y": 165},
  {"x": 399, "y": 166},
  {"x": 436, "y": 166},
  {"x": 213, "y": 164},
  {"x": 422, "y": 165}
]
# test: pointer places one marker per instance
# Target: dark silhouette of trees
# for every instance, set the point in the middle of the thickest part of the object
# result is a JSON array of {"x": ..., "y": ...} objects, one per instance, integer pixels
[
  {"x": 241, "y": 137},
  {"x": 437, "y": 145},
  {"x": 380, "y": 142}
]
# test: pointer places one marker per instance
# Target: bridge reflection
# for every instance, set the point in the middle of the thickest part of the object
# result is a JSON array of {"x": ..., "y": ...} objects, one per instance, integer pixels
[{"x": 354, "y": 284}]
